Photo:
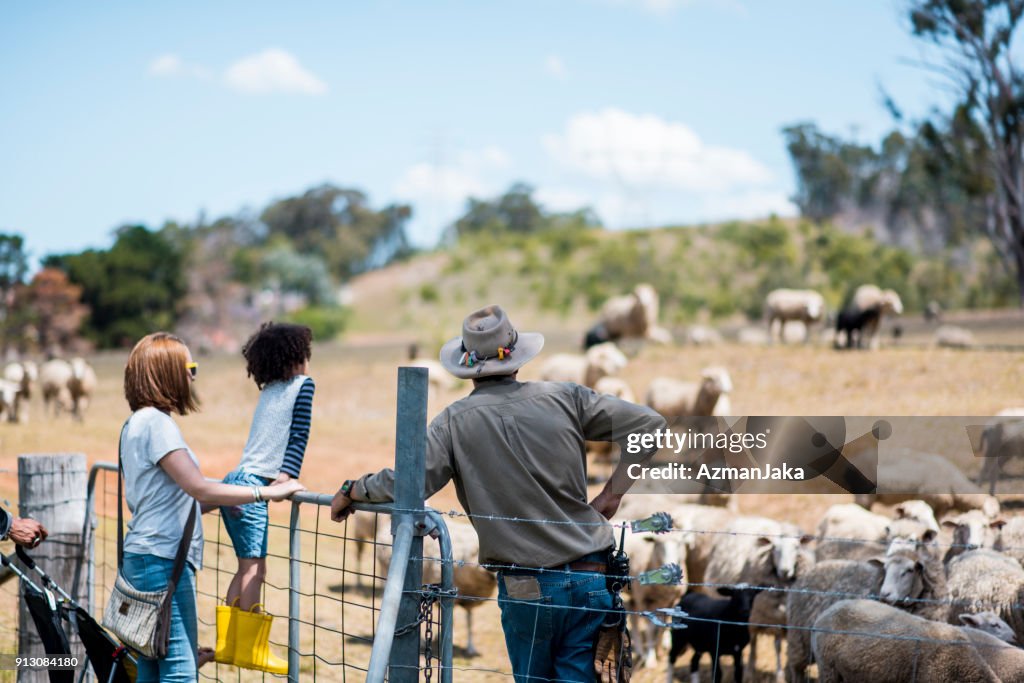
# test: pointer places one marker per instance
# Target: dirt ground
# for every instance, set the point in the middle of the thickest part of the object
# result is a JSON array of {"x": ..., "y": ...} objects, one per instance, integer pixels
[{"x": 353, "y": 432}]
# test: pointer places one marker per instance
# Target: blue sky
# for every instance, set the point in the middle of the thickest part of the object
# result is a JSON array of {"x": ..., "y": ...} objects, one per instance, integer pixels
[{"x": 651, "y": 111}]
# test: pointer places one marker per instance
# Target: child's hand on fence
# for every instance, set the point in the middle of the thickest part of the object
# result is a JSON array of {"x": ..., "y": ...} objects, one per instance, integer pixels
[
  {"x": 283, "y": 490},
  {"x": 282, "y": 477}
]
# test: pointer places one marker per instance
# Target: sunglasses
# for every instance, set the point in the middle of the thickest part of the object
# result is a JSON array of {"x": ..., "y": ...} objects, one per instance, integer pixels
[{"x": 193, "y": 369}]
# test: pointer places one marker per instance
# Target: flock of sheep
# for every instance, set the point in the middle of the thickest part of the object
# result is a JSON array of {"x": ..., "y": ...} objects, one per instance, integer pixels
[
  {"x": 933, "y": 592},
  {"x": 66, "y": 386}
]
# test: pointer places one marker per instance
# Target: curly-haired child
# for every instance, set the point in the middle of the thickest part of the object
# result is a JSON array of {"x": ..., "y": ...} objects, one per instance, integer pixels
[{"x": 277, "y": 358}]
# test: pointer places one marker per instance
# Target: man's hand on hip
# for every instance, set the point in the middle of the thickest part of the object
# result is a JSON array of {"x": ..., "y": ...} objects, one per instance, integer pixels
[{"x": 606, "y": 502}]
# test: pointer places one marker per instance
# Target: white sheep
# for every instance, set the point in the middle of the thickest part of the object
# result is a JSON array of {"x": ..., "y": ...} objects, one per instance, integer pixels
[
  {"x": 969, "y": 531},
  {"x": 615, "y": 386},
  {"x": 886, "y": 301},
  {"x": 24, "y": 374},
  {"x": 891, "y": 646},
  {"x": 785, "y": 305},
  {"x": 54, "y": 377},
  {"x": 849, "y": 532},
  {"x": 599, "y": 361},
  {"x": 760, "y": 552},
  {"x": 676, "y": 398},
  {"x": 701, "y": 526},
  {"x": 9, "y": 399},
  {"x": 81, "y": 386},
  {"x": 1005, "y": 660},
  {"x": 1011, "y": 539},
  {"x": 752, "y": 336},
  {"x": 917, "y": 510},
  {"x": 905, "y": 474},
  {"x": 954, "y": 337},
  {"x": 702, "y": 335},
  {"x": 1000, "y": 441},
  {"x": 646, "y": 552},
  {"x": 474, "y": 583},
  {"x": 983, "y": 580},
  {"x": 630, "y": 315}
]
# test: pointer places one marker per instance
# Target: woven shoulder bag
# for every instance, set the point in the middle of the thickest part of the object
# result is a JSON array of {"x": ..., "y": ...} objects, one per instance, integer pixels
[{"x": 142, "y": 619}]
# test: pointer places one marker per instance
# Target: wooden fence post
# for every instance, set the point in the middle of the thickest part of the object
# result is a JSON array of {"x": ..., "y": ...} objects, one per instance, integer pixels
[{"x": 52, "y": 489}]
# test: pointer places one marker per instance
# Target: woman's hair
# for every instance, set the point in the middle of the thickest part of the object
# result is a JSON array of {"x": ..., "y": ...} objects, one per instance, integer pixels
[
  {"x": 275, "y": 349},
  {"x": 156, "y": 375}
]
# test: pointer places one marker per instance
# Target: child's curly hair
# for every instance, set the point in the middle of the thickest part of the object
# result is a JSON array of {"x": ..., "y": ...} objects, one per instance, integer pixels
[{"x": 274, "y": 350}]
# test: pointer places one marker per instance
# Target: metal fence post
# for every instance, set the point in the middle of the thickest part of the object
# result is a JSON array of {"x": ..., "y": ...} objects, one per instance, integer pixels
[
  {"x": 410, "y": 474},
  {"x": 294, "y": 578}
]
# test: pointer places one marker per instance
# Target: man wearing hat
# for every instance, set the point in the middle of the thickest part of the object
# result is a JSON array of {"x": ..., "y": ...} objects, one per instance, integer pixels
[{"x": 516, "y": 452}]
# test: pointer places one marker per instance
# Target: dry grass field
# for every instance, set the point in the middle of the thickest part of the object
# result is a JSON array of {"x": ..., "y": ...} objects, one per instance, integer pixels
[{"x": 353, "y": 432}]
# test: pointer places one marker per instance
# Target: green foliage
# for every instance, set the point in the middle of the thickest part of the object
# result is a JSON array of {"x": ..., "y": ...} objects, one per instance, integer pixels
[
  {"x": 283, "y": 269},
  {"x": 429, "y": 293},
  {"x": 516, "y": 213},
  {"x": 134, "y": 288},
  {"x": 339, "y": 226},
  {"x": 326, "y": 322}
]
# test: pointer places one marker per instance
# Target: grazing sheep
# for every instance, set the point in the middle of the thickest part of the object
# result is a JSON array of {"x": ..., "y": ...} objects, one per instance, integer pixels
[
  {"x": 986, "y": 580},
  {"x": 602, "y": 456},
  {"x": 9, "y": 399},
  {"x": 887, "y": 302},
  {"x": 675, "y": 398},
  {"x": 24, "y": 374},
  {"x": 852, "y": 321},
  {"x": 81, "y": 386},
  {"x": 1000, "y": 441},
  {"x": 1011, "y": 539},
  {"x": 702, "y": 335},
  {"x": 821, "y": 586},
  {"x": 969, "y": 531},
  {"x": 768, "y": 617},
  {"x": 752, "y": 336},
  {"x": 758, "y": 551},
  {"x": 933, "y": 312},
  {"x": 785, "y": 305},
  {"x": 891, "y": 646},
  {"x": 599, "y": 361},
  {"x": 991, "y": 624},
  {"x": 905, "y": 474},
  {"x": 954, "y": 337},
  {"x": 632, "y": 315},
  {"x": 597, "y": 334},
  {"x": 705, "y": 633},
  {"x": 474, "y": 583},
  {"x": 647, "y": 552},
  {"x": 364, "y": 527},
  {"x": 615, "y": 386},
  {"x": 1005, "y": 660},
  {"x": 849, "y": 532},
  {"x": 915, "y": 578},
  {"x": 54, "y": 377}
]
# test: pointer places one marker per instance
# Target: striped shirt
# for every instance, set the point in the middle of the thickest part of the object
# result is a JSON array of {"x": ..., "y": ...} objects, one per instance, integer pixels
[{"x": 280, "y": 428}]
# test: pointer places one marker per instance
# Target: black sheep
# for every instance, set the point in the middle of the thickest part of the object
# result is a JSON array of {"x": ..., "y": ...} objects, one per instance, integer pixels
[
  {"x": 852, "y": 320},
  {"x": 705, "y": 633},
  {"x": 598, "y": 334}
]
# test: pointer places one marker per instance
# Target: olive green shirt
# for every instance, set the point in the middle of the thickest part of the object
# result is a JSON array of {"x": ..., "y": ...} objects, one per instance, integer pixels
[{"x": 517, "y": 450}]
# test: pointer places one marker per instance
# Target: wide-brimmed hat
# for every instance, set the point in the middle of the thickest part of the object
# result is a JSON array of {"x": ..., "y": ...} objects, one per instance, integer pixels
[{"x": 489, "y": 346}]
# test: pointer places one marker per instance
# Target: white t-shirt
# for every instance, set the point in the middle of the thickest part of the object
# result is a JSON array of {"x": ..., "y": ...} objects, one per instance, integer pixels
[{"x": 158, "y": 505}]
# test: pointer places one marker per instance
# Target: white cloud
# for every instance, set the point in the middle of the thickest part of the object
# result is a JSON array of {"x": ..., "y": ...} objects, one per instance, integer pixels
[
  {"x": 555, "y": 67},
  {"x": 446, "y": 184},
  {"x": 747, "y": 205},
  {"x": 562, "y": 199},
  {"x": 166, "y": 65},
  {"x": 272, "y": 71},
  {"x": 646, "y": 151}
]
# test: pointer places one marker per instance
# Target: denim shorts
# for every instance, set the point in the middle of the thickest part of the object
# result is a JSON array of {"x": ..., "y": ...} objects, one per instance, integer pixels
[{"x": 247, "y": 524}]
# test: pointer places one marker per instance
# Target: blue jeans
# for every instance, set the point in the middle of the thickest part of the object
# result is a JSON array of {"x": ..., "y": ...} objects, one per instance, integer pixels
[
  {"x": 545, "y": 642},
  {"x": 150, "y": 573}
]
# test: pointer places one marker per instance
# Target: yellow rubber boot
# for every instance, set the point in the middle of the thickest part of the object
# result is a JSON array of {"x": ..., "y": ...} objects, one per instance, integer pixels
[
  {"x": 252, "y": 643},
  {"x": 227, "y": 625}
]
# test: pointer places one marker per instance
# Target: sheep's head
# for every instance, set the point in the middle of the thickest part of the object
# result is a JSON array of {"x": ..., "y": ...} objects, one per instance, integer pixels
[
  {"x": 31, "y": 369},
  {"x": 891, "y": 302},
  {"x": 919, "y": 511},
  {"x": 716, "y": 379},
  {"x": 904, "y": 571},
  {"x": 990, "y": 623},
  {"x": 815, "y": 307},
  {"x": 973, "y": 529},
  {"x": 785, "y": 553}
]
